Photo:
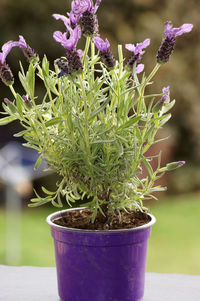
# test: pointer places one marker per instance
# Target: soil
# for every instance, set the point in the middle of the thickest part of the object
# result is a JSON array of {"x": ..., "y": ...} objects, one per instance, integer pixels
[{"x": 81, "y": 219}]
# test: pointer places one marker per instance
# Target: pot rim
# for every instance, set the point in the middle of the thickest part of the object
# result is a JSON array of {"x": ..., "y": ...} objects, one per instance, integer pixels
[{"x": 58, "y": 214}]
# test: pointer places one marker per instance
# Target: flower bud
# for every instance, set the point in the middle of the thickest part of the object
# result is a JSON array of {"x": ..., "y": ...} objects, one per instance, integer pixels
[
  {"x": 108, "y": 58},
  {"x": 168, "y": 42},
  {"x": 89, "y": 24},
  {"x": 63, "y": 66},
  {"x": 10, "y": 105},
  {"x": 6, "y": 74},
  {"x": 165, "y": 50},
  {"x": 172, "y": 166},
  {"x": 27, "y": 101},
  {"x": 74, "y": 61},
  {"x": 105, "y": 53},
  {"x": 30, "y": 54}
]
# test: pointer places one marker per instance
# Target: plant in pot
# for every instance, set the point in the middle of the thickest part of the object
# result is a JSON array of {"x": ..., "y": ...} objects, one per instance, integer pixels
[{"x": 94, "y": 127}]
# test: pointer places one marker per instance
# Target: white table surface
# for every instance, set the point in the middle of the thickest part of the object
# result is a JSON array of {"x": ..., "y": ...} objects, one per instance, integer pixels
[{"x": 40, "y": 284}]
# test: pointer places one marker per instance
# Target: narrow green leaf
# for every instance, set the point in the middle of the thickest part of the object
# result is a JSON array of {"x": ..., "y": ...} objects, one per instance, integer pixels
[
  {"x": 38, "y": 162},
  {"x": 6, "y": 120},
  {"x": 148, "y": 166},
  {"x": 103, "y": 141},
  {"x": 23, "y": 82},
  {"x": 168, "y": 106},
  {"x": 39, "y": 202},
  {"x": 53, "y": 121},
  {"x": 31, "y": 80},
  {"x": 19, "y": 103},
  {"x": 45, "y": 66},
  {"x": 20, "y": 134},
  {"x": 129, "y": 123},
  {"x": 47, "y": 191},
  {"x": 164, "y": 120},
  {"x": 100, "y": 109}
]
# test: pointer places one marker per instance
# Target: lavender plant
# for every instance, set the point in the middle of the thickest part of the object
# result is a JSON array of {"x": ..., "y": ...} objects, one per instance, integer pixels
[{"x": 95, "y": 122}]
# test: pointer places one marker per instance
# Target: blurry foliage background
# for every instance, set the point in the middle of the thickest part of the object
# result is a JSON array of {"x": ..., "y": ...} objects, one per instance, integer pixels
[{"x": 127, "y": 21}]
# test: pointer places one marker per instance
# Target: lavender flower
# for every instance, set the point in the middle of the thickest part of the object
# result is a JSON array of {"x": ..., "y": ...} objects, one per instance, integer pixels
[
  {"x": 5, "y": 71},
  {"x": 168, "y": 42},
  {"x": 79, "y": 7},
  {"x": 73, "y": 18},
  {"x": 71, "y": 42},
  {"x": 73, "y": 56},
  {"x": 180, "y": 163},
  {"x": 139, "y": 68},
  {"x": 137, "y": 54},
  {"x": 158, "y": 106},
  {"x": 28, "y": 52},
  {"x": 105, "y": 53},
  {"x": 65, "y": 19},
  {"x": 86, "y": 11},
  {"x": 166, "y": 95}
]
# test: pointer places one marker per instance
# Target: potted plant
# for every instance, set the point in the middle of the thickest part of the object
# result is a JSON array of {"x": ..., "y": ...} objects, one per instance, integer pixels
[{"x": 94, "y": 127}]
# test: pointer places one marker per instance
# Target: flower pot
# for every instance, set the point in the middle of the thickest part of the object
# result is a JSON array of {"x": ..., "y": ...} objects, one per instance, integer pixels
[{"x": 94, "y": 265}]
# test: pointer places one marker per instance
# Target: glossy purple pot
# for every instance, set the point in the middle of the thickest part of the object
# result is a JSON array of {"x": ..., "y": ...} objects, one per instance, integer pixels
[{"x": 100, "y": 265}]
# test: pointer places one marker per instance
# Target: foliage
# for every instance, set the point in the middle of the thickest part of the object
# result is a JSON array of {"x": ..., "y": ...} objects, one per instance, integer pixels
[{"x": 93, "y": 128}]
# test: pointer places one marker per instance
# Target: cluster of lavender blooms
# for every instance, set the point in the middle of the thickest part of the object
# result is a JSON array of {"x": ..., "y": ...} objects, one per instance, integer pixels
[
  {"x": 82, "y": 19},
  {"x": 84, "y": 12}
]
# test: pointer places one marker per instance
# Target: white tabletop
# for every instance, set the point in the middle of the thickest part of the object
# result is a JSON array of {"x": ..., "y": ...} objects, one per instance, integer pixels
[{"x": 36, "y": 283}]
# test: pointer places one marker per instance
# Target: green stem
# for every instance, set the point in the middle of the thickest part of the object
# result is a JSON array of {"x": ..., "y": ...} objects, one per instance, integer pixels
[
  {"x": 13, "y": 91},
  {"x": 153, "y": 72},
  {"x": 86, "y": 115},
  {"x": 151, "y": 75},
  {"x": 48, "y": 91},
  {"x": 87, "y": 45},
  {"x": 92, "y": 58},
  {"x": 121, "y": 60}
]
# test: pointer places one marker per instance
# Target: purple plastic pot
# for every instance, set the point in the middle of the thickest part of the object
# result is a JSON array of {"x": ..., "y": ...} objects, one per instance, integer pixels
[{"x": 94, "y": 265}]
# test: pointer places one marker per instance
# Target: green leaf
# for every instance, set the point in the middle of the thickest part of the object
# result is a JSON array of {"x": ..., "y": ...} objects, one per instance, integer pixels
[
  {"x": 148, "y": 166},
  {"x": 164, "y": 120},
  {"x": 20, "y": 134},
  {"x": 168, "y": 106},
  {"x": 129, "y": 123},
  {"x": 39, "y": 202},
  {"x": 102, "y": 141},
  {"x": 31, "y": 80},
  {"x": 10, "y": 108},
  {"x": 47, "y": 191},
  {"x": 45, "y": 66},
  {"x": 100, "y": 109},
  {"x": 23, "y": 81},
  {"x": 38, "y": 162},
  {"x": 53, "y": 121},
  {"x": 19, "y": 103},
  {"x": 6, "y": 120}
]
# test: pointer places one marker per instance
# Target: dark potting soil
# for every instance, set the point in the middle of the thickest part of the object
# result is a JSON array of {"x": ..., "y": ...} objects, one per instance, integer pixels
[{"x": 81, "y": 219}]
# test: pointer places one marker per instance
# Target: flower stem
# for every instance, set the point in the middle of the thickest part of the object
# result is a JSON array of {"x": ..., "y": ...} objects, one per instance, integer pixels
[
  {"x": 151, "y": 75},
  {"x": 120, "y": 53},
  {"x": 153, "y": 72},
  {"x": 13, "y": 91},
  {"x": 86, "y": 114},
  {"x": 87, "y": 45},
  {"x": 92, "y": 58},
  {"x": 48, "y": 91}
]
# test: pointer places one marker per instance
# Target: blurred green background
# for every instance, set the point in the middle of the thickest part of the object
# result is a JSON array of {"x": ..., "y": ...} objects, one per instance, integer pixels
[{"x": 175, "y": 243}]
